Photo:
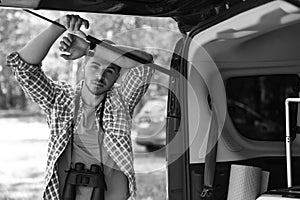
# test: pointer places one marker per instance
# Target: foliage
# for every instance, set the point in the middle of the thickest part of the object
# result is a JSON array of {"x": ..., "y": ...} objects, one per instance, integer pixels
[
  {"x": 10, "y": 26},
  {"x": 155, "y": 35}
]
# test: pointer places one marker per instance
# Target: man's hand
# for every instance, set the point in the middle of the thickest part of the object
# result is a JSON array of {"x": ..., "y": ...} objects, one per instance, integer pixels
[
  {"x": 74, "y": 46},
  {"x": 73, "y": 22}
]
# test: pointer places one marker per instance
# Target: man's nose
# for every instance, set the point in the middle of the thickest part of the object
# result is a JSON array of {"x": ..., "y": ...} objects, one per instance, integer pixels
[{"x": 99, "y": 74}]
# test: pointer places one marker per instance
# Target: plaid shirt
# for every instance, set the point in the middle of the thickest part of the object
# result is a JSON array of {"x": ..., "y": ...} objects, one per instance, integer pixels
[{"x": 57, "y": 101}]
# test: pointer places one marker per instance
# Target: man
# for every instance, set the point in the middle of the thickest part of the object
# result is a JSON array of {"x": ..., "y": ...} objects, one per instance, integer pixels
[{"x": 101, "y": 134}]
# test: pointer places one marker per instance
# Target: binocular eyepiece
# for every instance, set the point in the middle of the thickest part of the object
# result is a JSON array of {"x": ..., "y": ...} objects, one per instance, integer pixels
[{"x": 79, "y": 176}]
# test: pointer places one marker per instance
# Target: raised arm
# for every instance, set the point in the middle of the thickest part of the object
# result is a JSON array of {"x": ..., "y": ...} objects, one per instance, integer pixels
[
  {"x": 77, "y": 47},
  {"x": 36, "y": 49},
  {"x": 26, "y": 64},
  {"x": 120, "y": 60}
]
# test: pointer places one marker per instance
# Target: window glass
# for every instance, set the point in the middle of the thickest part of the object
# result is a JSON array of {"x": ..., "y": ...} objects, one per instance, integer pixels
[{"x": 256, "y": 105}]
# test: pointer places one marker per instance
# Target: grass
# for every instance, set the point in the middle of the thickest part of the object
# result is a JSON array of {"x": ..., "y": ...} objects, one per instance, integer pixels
[
  {"x": 150, "y": 187},
  {"x": 23, "y": 145}
]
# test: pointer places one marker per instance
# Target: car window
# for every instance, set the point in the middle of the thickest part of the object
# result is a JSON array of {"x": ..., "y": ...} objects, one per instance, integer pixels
[{"x": 256, "y": 105}]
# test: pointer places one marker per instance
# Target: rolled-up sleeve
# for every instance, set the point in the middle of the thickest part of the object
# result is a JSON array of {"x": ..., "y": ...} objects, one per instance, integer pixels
[
  {"x": 136, "y": 84},
  {"x": 33, "y": 81}
]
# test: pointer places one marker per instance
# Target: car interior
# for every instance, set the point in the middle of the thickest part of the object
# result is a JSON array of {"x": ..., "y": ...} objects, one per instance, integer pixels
[{"x": 259, "y": 65}]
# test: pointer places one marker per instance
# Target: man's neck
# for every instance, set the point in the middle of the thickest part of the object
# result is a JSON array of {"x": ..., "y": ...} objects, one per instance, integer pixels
[{"x": 89, "y": 98}]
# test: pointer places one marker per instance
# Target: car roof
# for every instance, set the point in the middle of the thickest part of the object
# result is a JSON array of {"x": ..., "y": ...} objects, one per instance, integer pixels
[
  {"x": 160, "y": 8},
  {"x": 188, "y": 13}
]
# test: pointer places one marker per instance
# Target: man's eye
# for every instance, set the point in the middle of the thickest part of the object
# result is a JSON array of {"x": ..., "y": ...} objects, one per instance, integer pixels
[
  {"x": 110, "y": 70},
  {"x": 95, "y": 67}
]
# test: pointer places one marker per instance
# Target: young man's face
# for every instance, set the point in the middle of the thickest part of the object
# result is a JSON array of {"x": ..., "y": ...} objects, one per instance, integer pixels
[{"x": 100, "y": 75}]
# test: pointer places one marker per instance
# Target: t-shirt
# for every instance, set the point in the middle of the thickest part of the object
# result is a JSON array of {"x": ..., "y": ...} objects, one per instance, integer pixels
[{"x": 87, "y": 150}]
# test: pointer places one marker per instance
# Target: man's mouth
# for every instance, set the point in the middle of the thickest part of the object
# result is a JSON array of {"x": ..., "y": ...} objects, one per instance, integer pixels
[{"x": 98, "y": 83}]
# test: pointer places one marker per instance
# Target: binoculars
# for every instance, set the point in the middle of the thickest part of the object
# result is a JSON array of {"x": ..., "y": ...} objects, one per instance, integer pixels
[{"x": 83, "y": 177}]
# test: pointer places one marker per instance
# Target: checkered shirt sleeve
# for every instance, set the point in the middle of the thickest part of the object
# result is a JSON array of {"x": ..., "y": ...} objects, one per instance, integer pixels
[
  {"x": 135, "y": 85},
  {"x": 33, "y": 81}
]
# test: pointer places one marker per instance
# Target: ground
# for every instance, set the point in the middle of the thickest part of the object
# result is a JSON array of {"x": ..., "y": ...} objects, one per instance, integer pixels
[{"x": 23, "y": 145}]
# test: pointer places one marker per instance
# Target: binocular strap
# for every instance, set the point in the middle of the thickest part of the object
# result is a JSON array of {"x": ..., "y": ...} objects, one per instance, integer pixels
[{"x": 75, "y": 124}]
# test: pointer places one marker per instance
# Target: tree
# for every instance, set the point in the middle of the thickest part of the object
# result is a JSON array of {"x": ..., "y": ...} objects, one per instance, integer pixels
[
  {"x": 17, "y": 27},
  {"x": 10, "y": 24}
]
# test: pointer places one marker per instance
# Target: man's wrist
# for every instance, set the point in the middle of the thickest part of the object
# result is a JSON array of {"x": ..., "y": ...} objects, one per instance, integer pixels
[
  {"x": 91, "y": 49},
  {"x": 58, "y": 24}
]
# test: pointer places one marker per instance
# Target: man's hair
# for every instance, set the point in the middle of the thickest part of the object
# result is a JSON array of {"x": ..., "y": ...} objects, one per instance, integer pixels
[
  {"x": 87, "y": 58},
  {"x": 115, "y": 65}
]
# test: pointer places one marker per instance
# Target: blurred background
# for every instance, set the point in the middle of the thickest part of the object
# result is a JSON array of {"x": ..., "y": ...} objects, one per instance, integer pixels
[{"x": 23, "y": 129}]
